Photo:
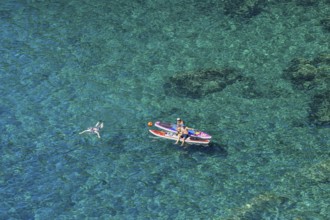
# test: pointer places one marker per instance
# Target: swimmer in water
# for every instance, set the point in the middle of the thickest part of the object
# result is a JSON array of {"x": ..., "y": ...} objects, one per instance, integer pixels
[{"x": 96, "y": 129}]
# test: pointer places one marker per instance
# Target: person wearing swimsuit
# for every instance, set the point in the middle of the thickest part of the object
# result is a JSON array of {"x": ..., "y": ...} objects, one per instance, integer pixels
[
  {"x": 183, "y": 132},
  {"x": 94, "y": 130}
]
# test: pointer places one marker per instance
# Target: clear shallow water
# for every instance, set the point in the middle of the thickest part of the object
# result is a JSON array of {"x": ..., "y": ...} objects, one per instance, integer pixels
[{"x": 65, "y": 65}]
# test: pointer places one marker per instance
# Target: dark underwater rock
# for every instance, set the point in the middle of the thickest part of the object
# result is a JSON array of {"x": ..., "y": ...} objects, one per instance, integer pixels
[
  {"x": 322, "y": 60},
  {"x": 325, "y": 23},
  {"x": 309, "y": 74},
  {"x": 243, "y": 8},
  {"x": 313, "y": 76},
  {"x": 301, "y": 73},
  {"x": 307, "y": 2},
  {"x": 320, "y": 109},
  {"x": 200, "y": 83}
]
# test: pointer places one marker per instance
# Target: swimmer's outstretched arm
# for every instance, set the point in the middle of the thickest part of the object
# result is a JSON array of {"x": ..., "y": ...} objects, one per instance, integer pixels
[{"x": 84, "y": 131}]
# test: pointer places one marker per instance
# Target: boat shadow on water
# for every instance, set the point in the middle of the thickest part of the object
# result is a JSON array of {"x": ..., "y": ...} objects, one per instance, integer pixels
[{"x": 212, "y": 149}]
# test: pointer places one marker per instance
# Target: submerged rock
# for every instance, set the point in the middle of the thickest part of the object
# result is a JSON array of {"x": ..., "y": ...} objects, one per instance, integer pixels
[
  {"x": 292, "y": 198},
  {"x": 309, "y": 74},
  {"x": 313, "y": 76},
  {"x": 243, "y": 8},
  {"x": 200, "y": 83},
  {"x": 318, "y": 173},
  {"x": 301, "y": 72},
  {"x": 322, "y": 59},
  {"x": 320, "y": 109},
  {"x": 307, "y": 2},
  {"x": 325, "y": 23}
]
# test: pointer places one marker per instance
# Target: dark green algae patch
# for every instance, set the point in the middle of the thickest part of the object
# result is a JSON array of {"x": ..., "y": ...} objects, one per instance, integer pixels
[
  {"x": 312, "y": 76},
  {"x": 198, "y": 84}
]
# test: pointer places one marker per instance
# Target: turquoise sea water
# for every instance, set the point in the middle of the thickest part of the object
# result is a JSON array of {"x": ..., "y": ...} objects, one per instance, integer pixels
[{"x": 64, "y": 65}]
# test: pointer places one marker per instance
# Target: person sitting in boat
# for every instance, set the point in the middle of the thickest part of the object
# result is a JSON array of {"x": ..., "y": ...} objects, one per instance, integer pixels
[
  {"x": 96, "y": 129},
  {"x": 179, "y": 123},
  {"x": 183, "y": 132}
]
